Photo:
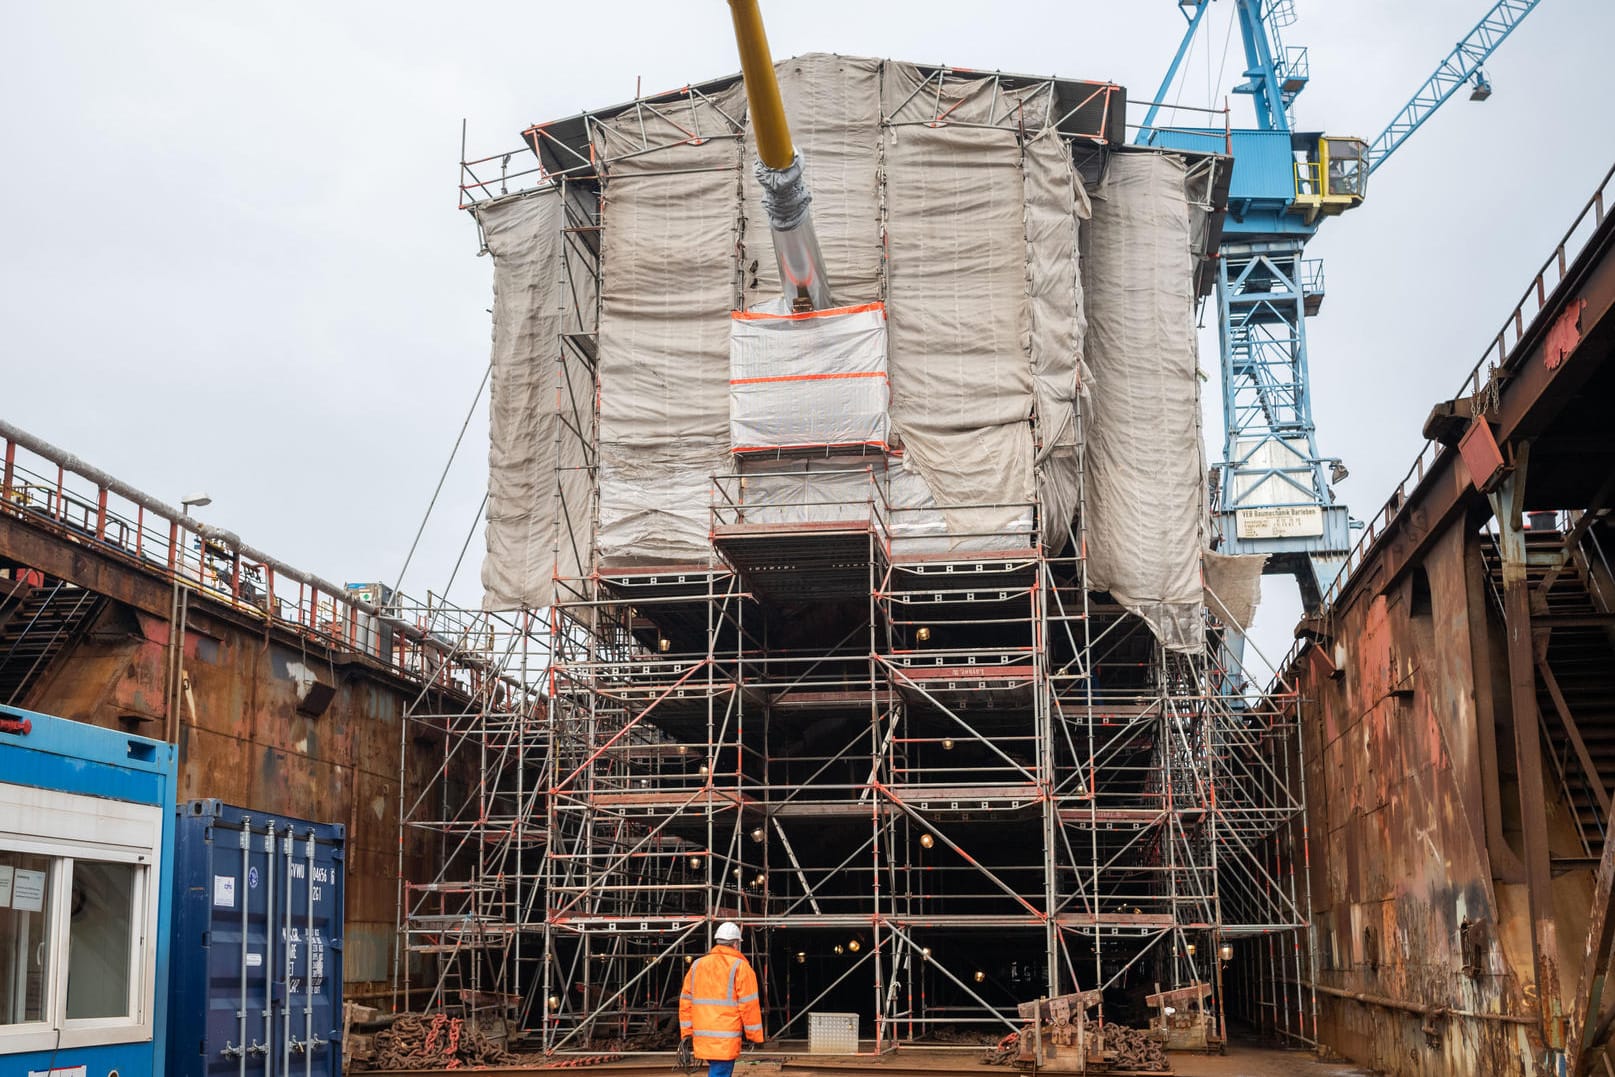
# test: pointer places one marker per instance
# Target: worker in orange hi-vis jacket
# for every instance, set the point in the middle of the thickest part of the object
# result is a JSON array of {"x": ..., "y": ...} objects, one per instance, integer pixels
[{"x": 719, "y": 1005}]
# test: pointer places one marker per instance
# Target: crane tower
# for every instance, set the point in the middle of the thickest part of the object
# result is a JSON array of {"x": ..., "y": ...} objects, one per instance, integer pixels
[{"x": 1273, "y": 492}]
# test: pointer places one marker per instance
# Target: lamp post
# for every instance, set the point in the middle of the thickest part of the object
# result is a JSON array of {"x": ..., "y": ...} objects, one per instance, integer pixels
[{"x": 198, "y": 501}]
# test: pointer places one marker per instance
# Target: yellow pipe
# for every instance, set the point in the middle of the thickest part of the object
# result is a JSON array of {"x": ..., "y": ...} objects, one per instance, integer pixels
[{"x": 768, "y": 124}]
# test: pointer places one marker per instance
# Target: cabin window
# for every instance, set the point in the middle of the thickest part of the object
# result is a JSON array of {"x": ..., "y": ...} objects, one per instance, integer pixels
[{"x": 78, "y": 908}]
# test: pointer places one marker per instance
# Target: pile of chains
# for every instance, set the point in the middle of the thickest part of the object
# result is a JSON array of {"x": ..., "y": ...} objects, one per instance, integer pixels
[
  {"x": 660, "y": 1034},
  {"x": 415, "y": 1042},
  {"x": 580, "y": 1060},
  {"x": 1134, "y": 1049},
  {"x": 1004, "y": 1052},
  {"x": 1128, "y": 1049},
  {"x": 961, "y": 1037}
]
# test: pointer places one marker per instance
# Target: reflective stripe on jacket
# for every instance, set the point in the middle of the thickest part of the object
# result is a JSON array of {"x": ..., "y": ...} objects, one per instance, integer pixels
[{"x": 720, "y": 1005}]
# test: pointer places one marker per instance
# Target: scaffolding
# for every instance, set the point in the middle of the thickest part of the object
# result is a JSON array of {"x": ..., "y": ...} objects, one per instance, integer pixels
[
  {"x": 479, "y": 762},
  {"x": 962, "y": 782},
  {"x": 931, "y": 781}
]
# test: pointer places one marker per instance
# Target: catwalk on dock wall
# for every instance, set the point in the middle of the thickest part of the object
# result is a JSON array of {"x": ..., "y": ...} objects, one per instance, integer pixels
[{"x": 872, "y": 705}]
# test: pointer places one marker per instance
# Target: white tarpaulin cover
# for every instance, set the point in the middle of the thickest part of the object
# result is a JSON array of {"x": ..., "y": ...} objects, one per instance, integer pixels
[
  {"x": 1146, "y": 496},
  {"x": 815, "y": 379}
]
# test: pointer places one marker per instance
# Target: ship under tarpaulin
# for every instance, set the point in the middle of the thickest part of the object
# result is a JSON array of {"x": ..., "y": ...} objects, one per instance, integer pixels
[{"x": 918, "y": 686}]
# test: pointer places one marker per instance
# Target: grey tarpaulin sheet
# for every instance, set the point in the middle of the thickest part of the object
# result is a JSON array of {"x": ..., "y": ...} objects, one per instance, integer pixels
[
  {"x": 958, "y": 311},
  {"x": 669, "y": 220},
  {"x": 1234, "y": 586},
  {"x": 985, "y": 304},
  {"x": 913, "y": 96},
  {"x": 851, "y": 488},
  {"x": 813, "y": 488},
  {"x": 1145, "y": 489},
  {"x": 538, "y": 484},
  {"x": 1055, "y": 203}
]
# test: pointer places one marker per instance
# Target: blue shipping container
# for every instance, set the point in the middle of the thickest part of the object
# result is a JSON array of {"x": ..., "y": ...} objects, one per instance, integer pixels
[
  {"x": 257, "y": 963},
  {"x": 86, "y": 837}
]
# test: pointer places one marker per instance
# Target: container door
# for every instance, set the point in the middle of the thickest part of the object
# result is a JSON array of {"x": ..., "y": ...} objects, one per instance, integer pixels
[
  {"x": 240, "y": 955},
  {"x": 272, "y": 937},
  {"x": 309, "y": 970}
]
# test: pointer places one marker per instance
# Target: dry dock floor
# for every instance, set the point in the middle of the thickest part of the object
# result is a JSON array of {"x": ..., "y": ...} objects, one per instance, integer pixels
[
  {"x": 1240, "y": 1061},
  {"x": 1261, "y": 1062}
]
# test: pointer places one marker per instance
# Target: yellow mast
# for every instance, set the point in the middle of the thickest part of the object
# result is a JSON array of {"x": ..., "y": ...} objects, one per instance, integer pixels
[
  {"x": 779, "y": 169},
  {"x": 772, "y": 133}
]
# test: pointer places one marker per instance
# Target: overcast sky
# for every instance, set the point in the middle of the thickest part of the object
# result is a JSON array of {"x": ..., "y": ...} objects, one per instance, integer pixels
[{"x": 230, "y": 258}]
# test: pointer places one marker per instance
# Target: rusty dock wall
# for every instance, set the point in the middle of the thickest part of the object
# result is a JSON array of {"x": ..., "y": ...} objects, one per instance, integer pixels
[
  {"x": 285, "y": 694},
  {"x": 1457, "y": 707}
]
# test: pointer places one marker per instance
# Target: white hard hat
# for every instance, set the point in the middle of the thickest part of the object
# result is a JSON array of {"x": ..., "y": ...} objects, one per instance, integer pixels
[{"x": 728, "y": 931}]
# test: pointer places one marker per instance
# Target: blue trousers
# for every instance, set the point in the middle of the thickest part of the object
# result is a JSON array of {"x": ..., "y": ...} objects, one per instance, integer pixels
[{"x": 721, "y": 1068}]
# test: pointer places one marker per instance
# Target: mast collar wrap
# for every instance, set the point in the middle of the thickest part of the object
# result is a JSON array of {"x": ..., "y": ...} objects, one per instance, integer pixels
[{"x": 785, "y": 194}]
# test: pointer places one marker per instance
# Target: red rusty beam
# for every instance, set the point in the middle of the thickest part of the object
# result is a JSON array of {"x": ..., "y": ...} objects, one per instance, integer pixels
[
  {"x": 1508, "y": 500},
  {"x": 84, "y": 565},
  {"x": 1505, "y": 864}
]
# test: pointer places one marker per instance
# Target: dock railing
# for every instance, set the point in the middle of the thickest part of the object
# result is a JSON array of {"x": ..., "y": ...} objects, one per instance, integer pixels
[{"x": 428, "y": 643}]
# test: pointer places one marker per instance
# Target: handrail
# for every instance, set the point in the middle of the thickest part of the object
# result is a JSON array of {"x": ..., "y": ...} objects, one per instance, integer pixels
[
  {"x": 1148, "y": 129},
  {"x": 883, "y": 518},
  {"x": 68, "y": 495}
]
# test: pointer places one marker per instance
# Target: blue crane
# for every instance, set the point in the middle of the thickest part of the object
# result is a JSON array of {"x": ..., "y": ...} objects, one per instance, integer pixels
[{"x": 1273, "y": 492}]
